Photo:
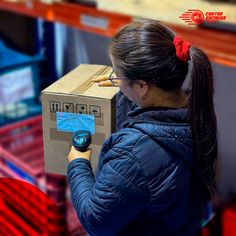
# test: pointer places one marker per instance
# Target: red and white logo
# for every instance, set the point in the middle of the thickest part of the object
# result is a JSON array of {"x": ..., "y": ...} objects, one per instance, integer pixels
[
  {"x": 193, "y": 17},
  {"x": 196, "y": 17}
]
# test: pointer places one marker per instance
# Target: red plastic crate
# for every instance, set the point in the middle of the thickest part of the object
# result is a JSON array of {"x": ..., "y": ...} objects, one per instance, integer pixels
[
  {"x": 229, "y": 220},
  {"x": 56, "y": 186},
  {"x": 12, "y": 224},
  {"x": 21, "y": 157},
  {"x": 75, "y": 227},
  {"x": 32, "y": 206},
  {"x": 22, "y": 150}
]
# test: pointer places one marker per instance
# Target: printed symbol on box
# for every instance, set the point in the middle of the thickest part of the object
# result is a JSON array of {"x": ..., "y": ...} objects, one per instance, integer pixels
[
  {"x": 81, "y": 108},
  {"x": 95, "y": 110},
  {"x": 55, "y": 106},
  {"x": 68, "y": 107}
]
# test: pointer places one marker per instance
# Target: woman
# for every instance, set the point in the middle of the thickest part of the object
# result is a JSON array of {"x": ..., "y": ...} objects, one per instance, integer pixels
[{"x": 157, "y": 172}]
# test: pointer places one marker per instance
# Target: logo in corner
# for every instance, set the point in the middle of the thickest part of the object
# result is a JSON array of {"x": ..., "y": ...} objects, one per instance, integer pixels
[{"x": 193, "y": 17}]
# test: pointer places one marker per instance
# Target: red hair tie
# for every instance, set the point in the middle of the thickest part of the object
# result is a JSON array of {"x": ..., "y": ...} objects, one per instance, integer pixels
[{"x": 182, "y": 48}]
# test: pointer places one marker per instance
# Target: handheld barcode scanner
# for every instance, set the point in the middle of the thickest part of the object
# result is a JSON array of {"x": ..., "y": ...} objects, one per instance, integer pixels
[{"x": 81, "y": 140}]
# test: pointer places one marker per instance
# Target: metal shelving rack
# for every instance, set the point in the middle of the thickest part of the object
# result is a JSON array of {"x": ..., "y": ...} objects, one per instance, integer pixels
[
  {"x": 219, "y": 45},
  {"x": 83, "y": 17}
]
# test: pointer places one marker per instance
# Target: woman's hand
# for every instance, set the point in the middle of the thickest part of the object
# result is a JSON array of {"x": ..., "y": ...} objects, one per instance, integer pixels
[
  {"x": 74, "y": 154},
  {"x": 102, "y": 81}
]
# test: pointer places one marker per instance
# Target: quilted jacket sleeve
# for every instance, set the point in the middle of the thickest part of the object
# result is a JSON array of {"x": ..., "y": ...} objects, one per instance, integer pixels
[{"x": 105, "y": 205}]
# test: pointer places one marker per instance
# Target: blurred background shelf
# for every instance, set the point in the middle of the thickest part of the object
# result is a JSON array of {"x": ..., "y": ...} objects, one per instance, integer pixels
[
  {"x": 219, "y": 45},
  {"x": 168, "y": 10},
  {"x": 83, "y": 17}
]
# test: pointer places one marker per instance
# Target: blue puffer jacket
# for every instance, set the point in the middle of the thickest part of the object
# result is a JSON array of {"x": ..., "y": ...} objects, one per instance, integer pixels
[{"x": 146, "y": 184}]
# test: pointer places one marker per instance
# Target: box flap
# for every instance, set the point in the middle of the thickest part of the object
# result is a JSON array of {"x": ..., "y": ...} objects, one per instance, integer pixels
[{"x": 78, "y": 82}]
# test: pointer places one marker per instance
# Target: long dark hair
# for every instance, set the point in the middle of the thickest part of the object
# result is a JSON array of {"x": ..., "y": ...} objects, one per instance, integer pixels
[
  {"x": 202, "y": 117},
  {"x": 145, "y": 51}
]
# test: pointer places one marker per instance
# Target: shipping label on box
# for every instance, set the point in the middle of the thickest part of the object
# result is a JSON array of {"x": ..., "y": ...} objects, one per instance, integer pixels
[{"x": 74, "y": 103}]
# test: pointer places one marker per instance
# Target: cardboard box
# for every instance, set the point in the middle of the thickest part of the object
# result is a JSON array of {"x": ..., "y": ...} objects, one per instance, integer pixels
[{"x": 74, "y": 94}]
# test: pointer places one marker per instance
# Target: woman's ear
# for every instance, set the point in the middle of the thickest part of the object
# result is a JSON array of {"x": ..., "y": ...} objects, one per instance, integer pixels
[{"x": 143, "y": 88}]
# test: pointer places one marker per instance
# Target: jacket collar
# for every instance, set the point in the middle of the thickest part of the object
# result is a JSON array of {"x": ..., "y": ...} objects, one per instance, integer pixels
[{"x": 157, "y": 114}]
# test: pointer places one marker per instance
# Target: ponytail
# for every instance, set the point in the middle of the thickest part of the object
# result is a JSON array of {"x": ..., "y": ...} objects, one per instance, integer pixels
[{"x": 202, "y": 118}]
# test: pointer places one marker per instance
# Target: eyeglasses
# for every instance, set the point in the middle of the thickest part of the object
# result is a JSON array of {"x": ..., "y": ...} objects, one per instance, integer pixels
[{"x": 114, "y": 80}]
